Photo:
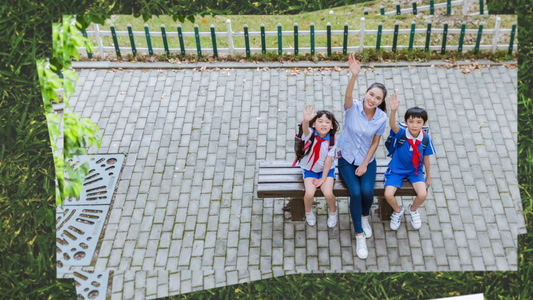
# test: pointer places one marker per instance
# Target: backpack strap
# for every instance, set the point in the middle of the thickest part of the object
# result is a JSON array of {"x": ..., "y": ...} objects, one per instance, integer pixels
[
  {"x": 332, "y": 141},
  {"x": 402, "y": 139},
  {"x": 425, "y": 141},
  {"x": 295, "y": 162}
]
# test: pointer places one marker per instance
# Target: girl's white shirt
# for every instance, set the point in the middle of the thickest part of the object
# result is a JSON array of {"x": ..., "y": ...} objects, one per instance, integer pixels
[{"x": 305, "y": 163}]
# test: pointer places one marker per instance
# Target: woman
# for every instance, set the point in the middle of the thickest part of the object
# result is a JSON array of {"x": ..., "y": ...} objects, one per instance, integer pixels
[{"x": 364, "y": 124}]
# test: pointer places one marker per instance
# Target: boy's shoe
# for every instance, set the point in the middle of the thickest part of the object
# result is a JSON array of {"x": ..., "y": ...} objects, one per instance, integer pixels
[
  {"x": 332, "y": 219},
  {"x": 366, "y": 226},
  {"x": 396, "y": 219},
  {"x": 361, "y": 250},
  {"x": 310, "y": 218},
  {"x": 415, "y": 218}
]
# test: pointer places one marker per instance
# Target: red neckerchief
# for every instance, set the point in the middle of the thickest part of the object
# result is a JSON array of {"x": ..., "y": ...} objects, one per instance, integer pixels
[
  {"x": 416, "y": 154},
  {"x": 316, "y": 151}
]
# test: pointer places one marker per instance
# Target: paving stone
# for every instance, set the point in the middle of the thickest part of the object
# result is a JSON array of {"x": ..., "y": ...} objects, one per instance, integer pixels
[{"x": 184, "y": 186}]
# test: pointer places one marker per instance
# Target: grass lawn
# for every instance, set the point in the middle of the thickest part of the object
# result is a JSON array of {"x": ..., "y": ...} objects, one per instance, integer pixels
[{"x": 350, "y": 15}]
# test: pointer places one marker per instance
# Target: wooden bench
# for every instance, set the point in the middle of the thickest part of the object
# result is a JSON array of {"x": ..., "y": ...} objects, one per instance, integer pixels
[{"x": 278, "y": 179}]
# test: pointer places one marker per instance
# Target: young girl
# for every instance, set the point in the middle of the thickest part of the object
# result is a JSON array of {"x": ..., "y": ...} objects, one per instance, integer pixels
[
  {"x": 364, "y": 124},
  {"x": 318, "y": 165}
]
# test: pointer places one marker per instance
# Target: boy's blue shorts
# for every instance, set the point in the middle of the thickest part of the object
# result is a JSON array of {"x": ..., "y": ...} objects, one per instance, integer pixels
[
  {"x": 319, "y": 174},
  {"x": 396, "y": 180}
]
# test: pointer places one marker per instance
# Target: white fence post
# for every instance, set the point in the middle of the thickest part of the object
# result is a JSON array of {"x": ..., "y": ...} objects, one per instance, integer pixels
[
  {"x": 496, "y": 34},
  {"x": 465, "y": 7},
  {"x": 99, "y": 40},
  {"x": 230, "y": 38},
  {"x": 362, "y": 44}
]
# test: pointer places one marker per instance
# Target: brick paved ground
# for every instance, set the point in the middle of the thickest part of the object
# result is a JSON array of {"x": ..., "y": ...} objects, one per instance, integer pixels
[{"x": 186, "y": 198}]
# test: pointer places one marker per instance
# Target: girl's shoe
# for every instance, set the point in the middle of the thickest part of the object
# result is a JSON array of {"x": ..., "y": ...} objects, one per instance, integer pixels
[
  {"x": 361, "y": 250},
  {"x": 366, "y": 226},
  {"x": 310, "y": 218},
  {"x": 332, "y": 219}
]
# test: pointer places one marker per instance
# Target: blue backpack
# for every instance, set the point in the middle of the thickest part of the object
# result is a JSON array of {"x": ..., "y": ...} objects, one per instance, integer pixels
[{"x": 390, "y": 147}]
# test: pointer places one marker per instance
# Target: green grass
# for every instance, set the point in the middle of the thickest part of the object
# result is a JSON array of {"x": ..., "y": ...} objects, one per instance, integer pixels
[
  {"x": 27, "y": 239},
  {"x": 304, "y": 20}
]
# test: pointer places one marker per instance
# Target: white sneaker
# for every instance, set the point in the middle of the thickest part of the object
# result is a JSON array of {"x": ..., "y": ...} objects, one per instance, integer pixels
[
  {"x": 361, "y": 250},
  {"x": 332, "y": 219},
  {"x": 396, "y": 219},
  {"x": 310, "y": 218},
  {"x": 415, "y": 218},
  {"x": 366, "y": 226}
]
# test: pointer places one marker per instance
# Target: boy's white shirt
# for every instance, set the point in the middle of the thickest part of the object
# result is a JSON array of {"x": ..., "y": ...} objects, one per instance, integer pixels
[{"x": 324, "y": 153}]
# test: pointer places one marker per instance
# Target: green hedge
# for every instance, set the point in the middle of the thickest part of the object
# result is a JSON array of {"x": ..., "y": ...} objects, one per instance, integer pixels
[{"x": 27, "y": 233}]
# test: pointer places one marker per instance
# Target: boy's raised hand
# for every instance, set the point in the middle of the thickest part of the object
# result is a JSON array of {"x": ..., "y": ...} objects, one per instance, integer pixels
[
  {"x": 394, "y": 102},
  {"x": 355, "y": 65},
  {"x": 308, "y": 113}
]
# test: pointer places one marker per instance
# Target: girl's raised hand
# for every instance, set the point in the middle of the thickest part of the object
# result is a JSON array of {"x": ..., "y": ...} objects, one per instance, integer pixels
[
  {"x": 355, "y": 65},
  {"x": 394, "y": 102},
  {"x": 308, "y": 113}
]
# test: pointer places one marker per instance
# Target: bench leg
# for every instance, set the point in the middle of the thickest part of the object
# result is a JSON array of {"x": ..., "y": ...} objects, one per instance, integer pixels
[
  {"x": 384, "y": 209},
  {"x": 297, "y": 209}
]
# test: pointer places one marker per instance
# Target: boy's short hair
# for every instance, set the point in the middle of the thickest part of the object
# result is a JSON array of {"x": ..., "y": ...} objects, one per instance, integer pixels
[{"x": 416, "y": 112}]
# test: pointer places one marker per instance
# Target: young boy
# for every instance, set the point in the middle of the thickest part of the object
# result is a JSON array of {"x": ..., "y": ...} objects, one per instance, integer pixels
[{"x": 408, "y": 161}]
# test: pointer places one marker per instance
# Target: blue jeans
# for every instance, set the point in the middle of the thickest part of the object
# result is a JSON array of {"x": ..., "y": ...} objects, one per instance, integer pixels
[{"x": 361, "y": 190}]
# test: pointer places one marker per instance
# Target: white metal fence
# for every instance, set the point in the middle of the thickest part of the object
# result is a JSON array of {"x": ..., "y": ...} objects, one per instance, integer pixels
[{"x": 230, "y": 35}]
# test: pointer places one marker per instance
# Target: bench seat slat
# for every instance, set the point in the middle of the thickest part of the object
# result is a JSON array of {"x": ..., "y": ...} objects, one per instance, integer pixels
[
  {"x": 298, "y": 170},
  {"x": 293, "y": 189},
  {"x": 273, "y": 178},
  {"x": 288, "y": 164}
]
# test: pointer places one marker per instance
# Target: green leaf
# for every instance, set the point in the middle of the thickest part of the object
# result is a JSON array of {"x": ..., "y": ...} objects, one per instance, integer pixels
[
  {"x": 40, "y": 215},
  {"x": 50, "y": 217}
]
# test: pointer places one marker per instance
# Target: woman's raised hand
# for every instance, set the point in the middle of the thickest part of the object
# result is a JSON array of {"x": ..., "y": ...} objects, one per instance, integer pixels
[
  {"x": 308, "y": 113},
  {"x": 355, "y": 65},
  {"x": 394, "y": 102}
]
